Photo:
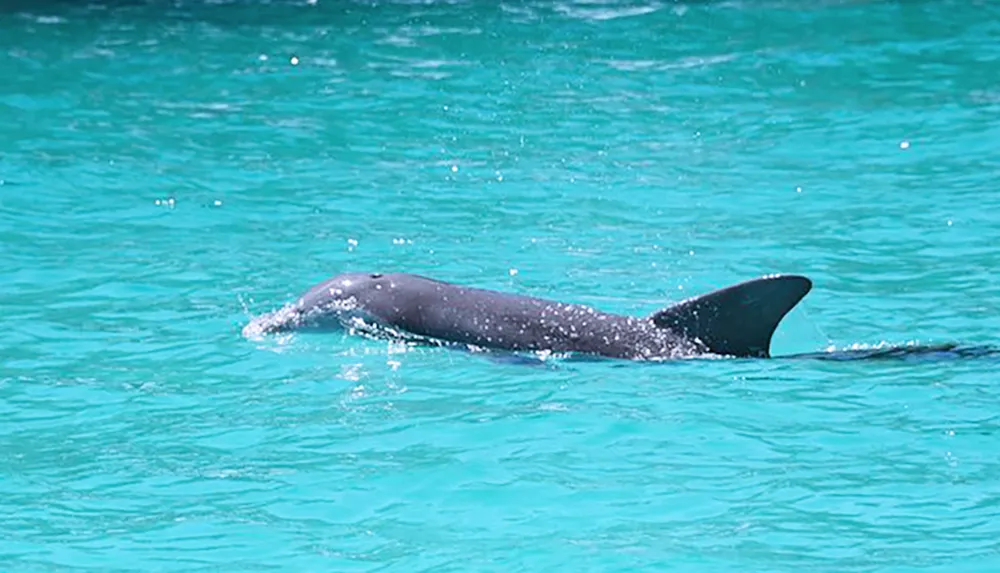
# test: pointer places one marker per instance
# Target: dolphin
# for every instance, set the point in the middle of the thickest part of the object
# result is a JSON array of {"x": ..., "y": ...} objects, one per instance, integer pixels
[{"x": 736, "y": 321}]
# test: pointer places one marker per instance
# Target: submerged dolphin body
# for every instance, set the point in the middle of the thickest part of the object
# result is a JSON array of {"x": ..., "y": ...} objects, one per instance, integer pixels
[{"x": 738, "y": 320}]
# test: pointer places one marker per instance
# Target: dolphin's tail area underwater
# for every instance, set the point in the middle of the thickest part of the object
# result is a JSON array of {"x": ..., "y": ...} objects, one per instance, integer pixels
[
  {"x": 904, "y": 353},
  {"x": 737, "y": 320}
]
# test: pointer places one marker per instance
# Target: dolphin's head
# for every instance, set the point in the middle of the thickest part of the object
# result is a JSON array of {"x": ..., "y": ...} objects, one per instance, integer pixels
[{"x": 333, "y": 304}]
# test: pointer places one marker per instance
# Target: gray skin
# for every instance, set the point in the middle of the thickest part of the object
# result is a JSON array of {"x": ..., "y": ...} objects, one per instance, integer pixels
[{"x": 737, "y": 321}]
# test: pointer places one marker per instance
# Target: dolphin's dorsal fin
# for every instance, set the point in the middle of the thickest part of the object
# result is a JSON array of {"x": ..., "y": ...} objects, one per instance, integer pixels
[{"x": 738, "y": 320}]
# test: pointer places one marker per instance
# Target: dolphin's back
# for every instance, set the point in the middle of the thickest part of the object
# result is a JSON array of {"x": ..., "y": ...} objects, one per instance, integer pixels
[
  {"x": 737, "y": 321},
  {"x": 493, "y": 319}
]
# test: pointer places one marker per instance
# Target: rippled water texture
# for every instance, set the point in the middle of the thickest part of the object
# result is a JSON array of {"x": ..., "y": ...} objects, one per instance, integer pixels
[{"x": 168, "y": 170}]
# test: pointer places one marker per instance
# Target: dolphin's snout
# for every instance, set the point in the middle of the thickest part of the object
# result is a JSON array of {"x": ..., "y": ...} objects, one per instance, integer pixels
[
  {"x": 326, "y": 307},
  {"x": 282, "y": 320}
]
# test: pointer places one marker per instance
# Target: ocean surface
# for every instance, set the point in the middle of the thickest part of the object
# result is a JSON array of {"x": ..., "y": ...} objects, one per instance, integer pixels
[{"x": 169, "y": 170}]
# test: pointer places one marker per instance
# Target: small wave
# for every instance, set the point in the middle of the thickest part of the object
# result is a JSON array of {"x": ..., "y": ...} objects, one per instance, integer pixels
[
  {"x": 608, "y": 12},
  {"x": 657, "y": 65}
]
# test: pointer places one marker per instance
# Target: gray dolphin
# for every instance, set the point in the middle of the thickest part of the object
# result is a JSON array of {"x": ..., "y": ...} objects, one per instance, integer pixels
[{"x": 738, "y": 320}]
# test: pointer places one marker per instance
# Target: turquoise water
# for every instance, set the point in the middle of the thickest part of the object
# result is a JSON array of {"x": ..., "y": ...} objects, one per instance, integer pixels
[{"x": 168, "y": 170}]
